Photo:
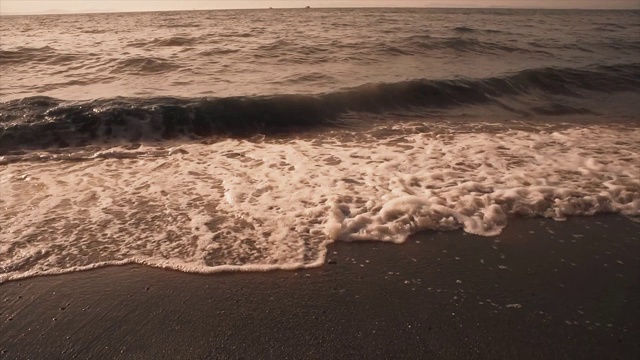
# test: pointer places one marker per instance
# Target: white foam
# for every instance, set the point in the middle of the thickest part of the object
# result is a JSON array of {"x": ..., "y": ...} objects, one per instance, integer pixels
[{"x": 255, "y": 206}]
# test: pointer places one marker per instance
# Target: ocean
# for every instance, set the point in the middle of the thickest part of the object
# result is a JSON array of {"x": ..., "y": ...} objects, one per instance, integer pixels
[{"x": 249, "y": 140}]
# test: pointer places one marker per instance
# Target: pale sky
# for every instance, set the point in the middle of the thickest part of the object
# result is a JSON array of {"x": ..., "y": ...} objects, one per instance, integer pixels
[{"x": 71, "y": 6}]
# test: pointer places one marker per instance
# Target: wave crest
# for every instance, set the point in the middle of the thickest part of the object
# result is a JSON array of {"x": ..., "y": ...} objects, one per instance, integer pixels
[
  {"x": 142, "y": 65},
  {"x": 43, "y": 122}
]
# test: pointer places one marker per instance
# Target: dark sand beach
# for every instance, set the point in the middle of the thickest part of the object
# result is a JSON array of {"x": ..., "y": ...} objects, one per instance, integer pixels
[{"x": 541, "y": 290}]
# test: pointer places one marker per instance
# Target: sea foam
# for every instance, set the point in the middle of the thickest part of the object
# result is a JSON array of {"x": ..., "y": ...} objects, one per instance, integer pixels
[{"x": 276, "y": 204}]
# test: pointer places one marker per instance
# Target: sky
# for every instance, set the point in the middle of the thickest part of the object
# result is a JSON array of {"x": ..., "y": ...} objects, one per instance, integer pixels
[{"x": 75, "y": 6}]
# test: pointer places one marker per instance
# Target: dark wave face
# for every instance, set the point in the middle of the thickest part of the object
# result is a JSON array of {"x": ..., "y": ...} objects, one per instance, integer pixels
[
  {"x": 259, "y": 52},
  {"x": 38, "y": 122}
]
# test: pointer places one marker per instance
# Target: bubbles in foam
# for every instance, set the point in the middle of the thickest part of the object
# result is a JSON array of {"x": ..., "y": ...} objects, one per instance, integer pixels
[{"x": 240, "y": 205}]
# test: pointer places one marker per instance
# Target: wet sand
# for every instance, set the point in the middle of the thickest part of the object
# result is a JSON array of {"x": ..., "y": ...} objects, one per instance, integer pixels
[{"x": 541, "y": 290}]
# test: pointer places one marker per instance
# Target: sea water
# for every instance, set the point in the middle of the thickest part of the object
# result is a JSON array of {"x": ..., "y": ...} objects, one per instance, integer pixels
[{"x": 249, "y": 140}]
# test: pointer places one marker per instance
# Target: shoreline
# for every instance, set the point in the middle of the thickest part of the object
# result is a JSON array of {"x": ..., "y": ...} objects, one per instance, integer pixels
[{"x": 541, "y": 289}]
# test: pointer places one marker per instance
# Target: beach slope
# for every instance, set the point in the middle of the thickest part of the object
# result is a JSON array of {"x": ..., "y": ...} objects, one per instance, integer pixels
[{"x": 540, "y": 290}]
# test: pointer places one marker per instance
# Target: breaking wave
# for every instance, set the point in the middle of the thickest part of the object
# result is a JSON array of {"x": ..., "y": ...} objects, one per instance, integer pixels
[{"x": 40, "y": 122}]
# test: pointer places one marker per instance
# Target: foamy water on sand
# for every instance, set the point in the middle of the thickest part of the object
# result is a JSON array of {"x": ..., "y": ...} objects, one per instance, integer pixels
[{"x": 276, "y": 204}]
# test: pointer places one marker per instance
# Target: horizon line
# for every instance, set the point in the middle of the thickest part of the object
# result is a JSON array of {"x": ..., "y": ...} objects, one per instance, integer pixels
[{"x": 87, "y": 12}]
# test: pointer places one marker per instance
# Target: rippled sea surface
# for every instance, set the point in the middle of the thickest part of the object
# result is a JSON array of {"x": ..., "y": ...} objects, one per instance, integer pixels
[
  {"x": 224, "y": 53},
  {"x": 208, "y": 141}
]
